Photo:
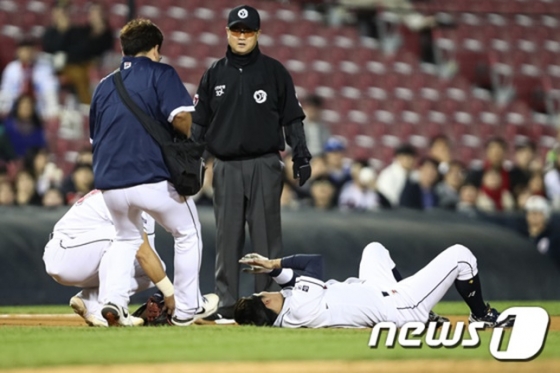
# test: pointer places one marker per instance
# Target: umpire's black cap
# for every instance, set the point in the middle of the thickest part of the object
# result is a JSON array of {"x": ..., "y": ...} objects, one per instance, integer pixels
[{"x": 246, "y": 15}]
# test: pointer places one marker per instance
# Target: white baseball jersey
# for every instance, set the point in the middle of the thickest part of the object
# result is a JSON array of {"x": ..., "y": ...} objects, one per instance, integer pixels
[
  {"x": 90, "y": 213},
  {"x": 376, "y": 296},
  {"x": 312, "y": 303}
]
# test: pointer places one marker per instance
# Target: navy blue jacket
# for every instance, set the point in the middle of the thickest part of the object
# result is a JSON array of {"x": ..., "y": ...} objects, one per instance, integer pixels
[{"x": 124, "y": 153}]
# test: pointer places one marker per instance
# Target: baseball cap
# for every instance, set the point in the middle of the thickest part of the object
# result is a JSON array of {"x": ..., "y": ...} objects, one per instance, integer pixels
[
  {"x": 334, "y": 144},
  {"x": 246, "y": 15},
  {"x": 538, "y": 203}
]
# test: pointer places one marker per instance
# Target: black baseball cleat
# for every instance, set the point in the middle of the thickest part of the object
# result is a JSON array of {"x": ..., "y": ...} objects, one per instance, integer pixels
[
  {"x": 490, "y": 319},
  {"x": 439, "y": 320}
]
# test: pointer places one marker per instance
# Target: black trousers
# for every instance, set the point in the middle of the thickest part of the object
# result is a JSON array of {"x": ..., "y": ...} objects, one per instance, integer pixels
[{"x": 245, "y": 191}]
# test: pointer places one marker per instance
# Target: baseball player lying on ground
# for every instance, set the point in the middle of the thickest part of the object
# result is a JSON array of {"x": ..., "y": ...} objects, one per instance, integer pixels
[
  {"x": 378, "y": 294},
  {"x": 73, "y": 257}
]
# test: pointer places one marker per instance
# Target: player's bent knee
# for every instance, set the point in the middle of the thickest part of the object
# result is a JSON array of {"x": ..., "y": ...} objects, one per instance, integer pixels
[
  {"x": 465, "y": 259},
  {"x": 375, "y": 249},
  {"x": 461, "y": 251}
]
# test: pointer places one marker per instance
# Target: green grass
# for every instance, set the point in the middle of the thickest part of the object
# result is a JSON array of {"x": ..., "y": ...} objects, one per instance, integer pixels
[{"x": 50, "y": 346}]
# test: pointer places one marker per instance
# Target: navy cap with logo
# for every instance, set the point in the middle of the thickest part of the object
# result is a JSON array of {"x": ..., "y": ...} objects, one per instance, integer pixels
[{"x": 244, "y": 15}]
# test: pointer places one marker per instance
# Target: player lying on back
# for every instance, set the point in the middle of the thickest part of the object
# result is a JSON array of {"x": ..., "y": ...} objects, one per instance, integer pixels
[
  {"x": 73, "y": 257},
  {"x": 378, "y": 294}
]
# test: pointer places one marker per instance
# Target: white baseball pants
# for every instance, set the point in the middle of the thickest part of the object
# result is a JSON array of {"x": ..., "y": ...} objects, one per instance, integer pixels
[
  {"x": 412, "y": 298},
  {"x": 175, "y": 215},
  {"x": 75, "y": 262}
]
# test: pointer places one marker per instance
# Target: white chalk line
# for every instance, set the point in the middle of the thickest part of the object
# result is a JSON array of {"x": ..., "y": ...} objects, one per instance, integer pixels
[{"x": 37, "y": 316}]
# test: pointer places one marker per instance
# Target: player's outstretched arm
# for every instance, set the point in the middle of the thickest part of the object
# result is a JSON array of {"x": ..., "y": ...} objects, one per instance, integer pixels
[
  {"x": 282, "y": 270},
  {"x": 153, "y": 268}
]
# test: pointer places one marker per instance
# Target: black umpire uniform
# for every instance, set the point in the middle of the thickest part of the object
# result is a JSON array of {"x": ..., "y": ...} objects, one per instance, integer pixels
[{"x": 244, "y": 105}]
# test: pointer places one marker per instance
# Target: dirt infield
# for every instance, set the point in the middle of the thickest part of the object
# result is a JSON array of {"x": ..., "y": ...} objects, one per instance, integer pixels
[
  {"x": 75, "y": 320},
  {"x": 416, "y": 366}
]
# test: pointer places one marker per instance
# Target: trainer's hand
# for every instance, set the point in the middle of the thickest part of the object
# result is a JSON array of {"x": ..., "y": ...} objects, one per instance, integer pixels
[
  {"x": 169, "y": 304},
  {"x": 302, "y": 170}
]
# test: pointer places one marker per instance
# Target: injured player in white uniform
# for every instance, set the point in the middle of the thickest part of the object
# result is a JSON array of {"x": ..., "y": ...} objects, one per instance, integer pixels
[
  {"x": 378, "y": 294},
  {"x": 73, "y": 257}
]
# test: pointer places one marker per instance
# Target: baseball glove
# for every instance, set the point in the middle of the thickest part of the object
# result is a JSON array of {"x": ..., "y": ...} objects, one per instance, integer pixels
[{"x": 153, "y": 312}]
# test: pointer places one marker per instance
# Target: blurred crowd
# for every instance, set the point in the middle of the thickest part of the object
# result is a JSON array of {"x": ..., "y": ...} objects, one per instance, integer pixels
[
  {"x": 49, "y": 82},
  {"x": 433, "y": 180},
  {"x": 34, "y": 84}
]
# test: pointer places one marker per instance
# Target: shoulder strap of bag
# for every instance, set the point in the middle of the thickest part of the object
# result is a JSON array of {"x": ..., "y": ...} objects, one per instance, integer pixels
[{"x": 158, "y": 132}]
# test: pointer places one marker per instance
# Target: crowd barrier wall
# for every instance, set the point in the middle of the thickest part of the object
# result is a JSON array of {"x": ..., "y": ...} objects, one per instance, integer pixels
[{"x": 509, "y": 265}]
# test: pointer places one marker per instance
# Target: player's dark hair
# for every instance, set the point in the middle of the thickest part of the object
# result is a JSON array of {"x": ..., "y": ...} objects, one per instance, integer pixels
[
  {"x": 252, "y": 311},
  {"x": 140, "y": 35}
]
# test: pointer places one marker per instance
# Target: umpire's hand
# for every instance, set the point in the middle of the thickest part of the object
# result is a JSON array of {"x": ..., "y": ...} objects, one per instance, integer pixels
[{"x": 302, "y": 170}]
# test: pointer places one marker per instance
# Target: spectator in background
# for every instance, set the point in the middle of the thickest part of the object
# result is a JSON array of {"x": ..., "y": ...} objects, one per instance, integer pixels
[
  {"x": 522, "y": 169},
  {"x": 23, "y": 128},
  {"x": 7, "y": 194},
  {"x": 468, "y": 195},
  {"x": 25, "y": 189},
  {"x": 53, "y": 198},
  {"x": 43, "y": 169},
  {"x": 492, "y": 195},
  {"x": 553, "y": 154},
  {"x": 536, "y": 184},
  {"x": 205, "y": 197},
  {"x": 522, "y": 198},
  {"x": 422, "y": 194},
  {"x": 440, "y": 150},
  {"x": 338, "y": 168},
  {"x": 78, "y": 183},
  {"x": 539, "y": 228},
  {"x": 85, "y": 156},
  {"x": 495, "y": 157},
  {"x": 30, "y": 76},
  {"x": 75, "y": 47},
  {"x": 360, "y": 193},
  {"x": 4, "y": 173},
  {"x": 392, "y": 179},
  {"x": 316, "y": 132},
  {"x": 56, "y": 34},
  {"x": 448, "y": 189},
  {"x": 288, "y": 199},
  {"x": 552, "y": 184},
  {"x": 322, "y": 193},
  {"x": 7, "y": 152}
]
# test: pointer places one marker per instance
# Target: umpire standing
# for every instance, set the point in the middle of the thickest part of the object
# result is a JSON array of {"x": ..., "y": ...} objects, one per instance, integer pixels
[{"x": 245, "y": 103}]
